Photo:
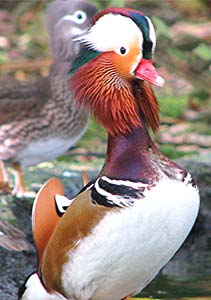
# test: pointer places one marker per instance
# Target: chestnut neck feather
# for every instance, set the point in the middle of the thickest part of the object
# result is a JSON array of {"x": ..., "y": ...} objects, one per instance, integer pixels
[
  {"x": 119, "y": 104},
  {"x": 129, "y": 156},
  {"x": 135, "y": 156}
]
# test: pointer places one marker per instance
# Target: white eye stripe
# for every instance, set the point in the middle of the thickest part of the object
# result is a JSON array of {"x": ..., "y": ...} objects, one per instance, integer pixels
[
  {"x": 79, "y": 17},
  {"x": 152, "y": 35},
  {"x": 111, "y": 32}
]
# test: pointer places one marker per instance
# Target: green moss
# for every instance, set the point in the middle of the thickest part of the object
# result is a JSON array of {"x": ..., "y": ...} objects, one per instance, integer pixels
[
  {"x": 119, "y": 3},
  {"x": 94, "y": 144},
  {"x": 203, "y": 51},
  {"x": 177, "y": 53},
  {"x": 201, "y": 125},
  {"x": 161, "y": 27},
  {"x": 3, "y": 56},
  {"x": 200, "y": 95},
  {"x": 172, "y": 152},
  {"x": 95, "y": 131},
  {"x": 173, "y": 107},
  {"x": 105, "y": 3}
]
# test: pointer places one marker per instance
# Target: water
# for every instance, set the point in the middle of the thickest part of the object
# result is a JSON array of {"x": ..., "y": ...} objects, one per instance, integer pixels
[{"x": 188, "y": 275}]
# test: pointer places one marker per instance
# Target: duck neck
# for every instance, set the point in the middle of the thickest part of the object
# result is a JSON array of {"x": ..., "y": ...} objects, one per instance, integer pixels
[
  {"x": 135, "y": 156},
  {"x": 127, "y": 155}
]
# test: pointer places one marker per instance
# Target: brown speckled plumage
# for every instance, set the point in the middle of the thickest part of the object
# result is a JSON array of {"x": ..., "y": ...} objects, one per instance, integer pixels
[{"x": 40, "y": 121}]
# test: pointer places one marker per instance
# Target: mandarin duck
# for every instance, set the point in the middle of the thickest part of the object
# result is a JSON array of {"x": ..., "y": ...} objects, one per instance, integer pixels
[
  {"x": 40, "y": 121},
  {"x": 112, "y": 239}
]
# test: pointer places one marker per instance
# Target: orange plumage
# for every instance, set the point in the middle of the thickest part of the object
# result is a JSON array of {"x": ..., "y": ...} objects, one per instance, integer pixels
[{"x": 100, "y": 82}]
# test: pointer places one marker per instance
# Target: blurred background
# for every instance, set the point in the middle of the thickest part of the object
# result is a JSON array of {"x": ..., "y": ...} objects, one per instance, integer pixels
[{"x": 183, "y": 57}]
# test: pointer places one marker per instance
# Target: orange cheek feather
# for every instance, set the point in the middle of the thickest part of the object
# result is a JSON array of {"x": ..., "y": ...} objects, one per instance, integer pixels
[{"x": 124, "y": 63}]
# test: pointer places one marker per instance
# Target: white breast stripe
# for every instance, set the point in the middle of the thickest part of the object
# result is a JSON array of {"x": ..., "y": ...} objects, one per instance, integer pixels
[
  {"x": 132, "y": 184},
  {"x": 114, "y": 199},
  {"x": 62, "y": 203},
  {"x": 187, "y": 179},
  {"x": 113, "y": 192}
]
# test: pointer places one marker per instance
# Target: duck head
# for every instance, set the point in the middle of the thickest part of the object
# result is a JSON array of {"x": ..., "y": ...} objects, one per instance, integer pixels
[
  {"x": 65, "y": 19},
  {"x": 112, "y": 71}
]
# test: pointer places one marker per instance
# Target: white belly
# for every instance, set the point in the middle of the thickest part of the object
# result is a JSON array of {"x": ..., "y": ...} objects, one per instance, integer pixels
[
  {"x": 45, "y": 149},
  {"x": 128, "y": 248}
]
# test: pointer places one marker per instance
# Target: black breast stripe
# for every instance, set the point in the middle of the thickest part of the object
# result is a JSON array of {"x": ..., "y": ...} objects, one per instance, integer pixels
[
  {"x": 121, "y": 190},
  {"x": 117, "y": 193}
]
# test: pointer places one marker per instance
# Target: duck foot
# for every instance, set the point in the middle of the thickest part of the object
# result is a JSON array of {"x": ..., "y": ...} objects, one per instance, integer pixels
[
  {"x": 19, "y": 189},
  {"x": 85, "y": 178},
  {"x": 5, "y": 187}
]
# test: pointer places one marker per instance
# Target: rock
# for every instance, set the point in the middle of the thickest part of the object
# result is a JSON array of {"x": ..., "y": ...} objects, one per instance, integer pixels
[{"x": 200, "y": 168}]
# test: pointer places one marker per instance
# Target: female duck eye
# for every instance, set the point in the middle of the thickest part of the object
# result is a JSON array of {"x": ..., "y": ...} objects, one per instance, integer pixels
[
  {"x": 123, "y": 50},
  {"x": 80, "y": 16}
]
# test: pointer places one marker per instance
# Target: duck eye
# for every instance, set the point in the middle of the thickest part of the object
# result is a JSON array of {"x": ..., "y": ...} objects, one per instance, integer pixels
[
  {"x": 123, "y": 50},
  {"x": 80, "y": 16}
]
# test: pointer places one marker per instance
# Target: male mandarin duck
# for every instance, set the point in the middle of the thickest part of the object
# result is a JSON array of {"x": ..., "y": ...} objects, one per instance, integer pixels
[
  {"x": 40, "y": 121},
  {"x": 126, "y": 224}
]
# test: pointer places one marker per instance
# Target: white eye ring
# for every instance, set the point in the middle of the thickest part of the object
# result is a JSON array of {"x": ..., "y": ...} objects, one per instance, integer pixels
[{"x": 79, "y": 17}]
